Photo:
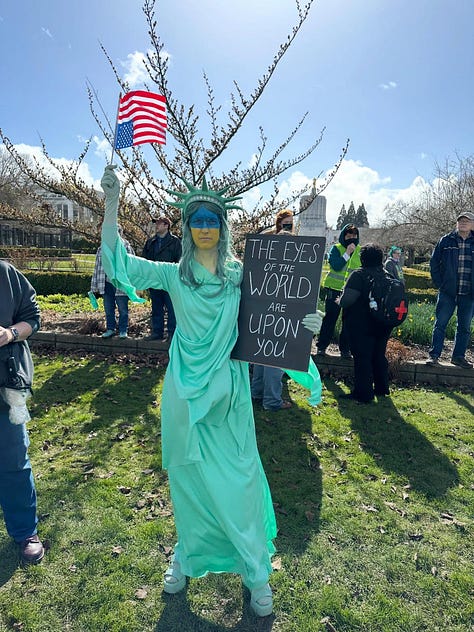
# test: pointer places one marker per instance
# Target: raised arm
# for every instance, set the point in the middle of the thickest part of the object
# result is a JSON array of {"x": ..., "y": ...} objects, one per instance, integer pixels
[
  {"x": 125, "y": 271},
  {"x": 111, "y": 187}
]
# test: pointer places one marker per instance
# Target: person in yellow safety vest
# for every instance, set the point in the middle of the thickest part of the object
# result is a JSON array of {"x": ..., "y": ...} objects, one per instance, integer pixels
[{"x": 343, "y": 259}]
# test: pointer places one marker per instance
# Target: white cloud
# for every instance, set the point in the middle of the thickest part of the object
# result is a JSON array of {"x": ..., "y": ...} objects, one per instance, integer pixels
[
  {"x": 391, "y": 85},
  {"x": 102, "y": 148},
  {"x": 253, "y": 161},
  {"x": 46, "y": 31},
  {"x": 360, "y": 184},
  {"x": 35, "y": 152},
  {"x": 353, "y": 182},
  {"x": 135, "y": 71}
]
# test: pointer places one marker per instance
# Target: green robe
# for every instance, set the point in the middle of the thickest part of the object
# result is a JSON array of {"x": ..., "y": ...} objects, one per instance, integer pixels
[{"x": 222, "y": 504}]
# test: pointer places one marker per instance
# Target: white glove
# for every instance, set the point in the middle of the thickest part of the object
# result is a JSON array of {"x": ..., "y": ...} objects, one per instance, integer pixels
[
  {"x": 313, "y": 321},
  {"x": 16, "y": 399}
]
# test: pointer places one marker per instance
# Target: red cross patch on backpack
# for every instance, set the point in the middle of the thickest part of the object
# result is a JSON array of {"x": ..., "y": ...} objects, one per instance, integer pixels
[{"x": 388, "y": 300}]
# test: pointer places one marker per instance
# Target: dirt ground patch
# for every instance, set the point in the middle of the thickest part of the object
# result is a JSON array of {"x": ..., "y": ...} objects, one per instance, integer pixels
[{"x": 93, "y": 323}]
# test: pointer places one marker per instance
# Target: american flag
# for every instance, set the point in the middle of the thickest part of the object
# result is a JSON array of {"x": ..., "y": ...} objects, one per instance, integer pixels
[{"x": 141, "y": 119}]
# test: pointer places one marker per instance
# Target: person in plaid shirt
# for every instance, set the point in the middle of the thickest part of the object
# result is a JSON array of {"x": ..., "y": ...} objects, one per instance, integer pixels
[
  {"x": 112, "y": 296},
  {"x": 452, "y": 271}
]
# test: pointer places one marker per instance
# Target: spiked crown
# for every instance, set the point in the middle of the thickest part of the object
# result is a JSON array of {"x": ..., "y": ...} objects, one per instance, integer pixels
[{"x": 195, "y": 196}]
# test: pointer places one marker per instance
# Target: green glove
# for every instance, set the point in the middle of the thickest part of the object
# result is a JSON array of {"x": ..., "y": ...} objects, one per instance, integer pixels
[
  {"x": 313, "y": 321},
  {"x": 110, "y": 183}
]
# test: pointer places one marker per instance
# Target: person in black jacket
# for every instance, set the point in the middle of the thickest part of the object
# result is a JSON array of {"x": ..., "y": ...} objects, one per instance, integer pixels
[
  {"x": 452, "y": 271},
  {"x": 164, "y": 246},
  {"x": 367, "y": 338}
]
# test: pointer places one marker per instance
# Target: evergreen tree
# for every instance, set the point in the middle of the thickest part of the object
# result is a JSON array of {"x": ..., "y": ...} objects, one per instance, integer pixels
[
  {"x": 351, "y": 214},
  {"x": 341, "y": 220},
  {"x": 361, "y": 218}
]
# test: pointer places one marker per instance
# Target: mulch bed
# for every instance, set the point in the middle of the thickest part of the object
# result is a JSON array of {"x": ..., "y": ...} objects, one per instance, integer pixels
[{"x": 87, "y": 323}]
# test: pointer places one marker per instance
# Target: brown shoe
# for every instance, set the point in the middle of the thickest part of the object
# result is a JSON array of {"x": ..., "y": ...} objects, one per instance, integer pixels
[{"x": 32, "y": 549}]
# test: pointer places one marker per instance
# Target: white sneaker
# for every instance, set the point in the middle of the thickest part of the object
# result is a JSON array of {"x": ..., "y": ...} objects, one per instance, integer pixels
[
  {"x": 108, "y": 334},
  {"x": 261, "y": 601},
  {"x": 174, "y": 580}
]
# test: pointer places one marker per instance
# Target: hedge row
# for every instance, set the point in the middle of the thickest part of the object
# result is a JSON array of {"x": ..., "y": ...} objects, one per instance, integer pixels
[
  {"x": 46, "y": 283},
  {"x": 32, "y": 252},
  {"x": 419, "y": 286},
  {"x": 417, "y": 279}
]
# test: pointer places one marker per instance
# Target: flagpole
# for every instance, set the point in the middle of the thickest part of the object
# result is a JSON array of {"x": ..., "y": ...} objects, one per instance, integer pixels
[
  {"x": 94, "y": 91},
  {"x": 116, "y": 126}
]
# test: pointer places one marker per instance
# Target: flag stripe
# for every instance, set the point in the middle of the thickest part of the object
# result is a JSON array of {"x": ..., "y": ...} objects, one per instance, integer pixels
[{"x": 141, "y": 119}]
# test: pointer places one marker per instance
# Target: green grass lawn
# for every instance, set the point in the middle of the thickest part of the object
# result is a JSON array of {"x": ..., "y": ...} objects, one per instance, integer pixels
[{"x": 374, "y": 505}]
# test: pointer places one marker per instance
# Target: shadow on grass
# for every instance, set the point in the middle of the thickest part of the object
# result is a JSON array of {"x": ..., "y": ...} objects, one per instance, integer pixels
[
  {"x": 9, "y": 559},
  {"x": 178, "y": 617},
  {"x": 118, "y": 402},
  {"x": 293, "y": 472},
  {"x": 460, "y": 401},
  {"x": 398, "y": 446}
]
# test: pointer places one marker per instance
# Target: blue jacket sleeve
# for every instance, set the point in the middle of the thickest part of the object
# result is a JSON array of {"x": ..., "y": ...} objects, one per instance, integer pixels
[{"x": 435, "y": 265}]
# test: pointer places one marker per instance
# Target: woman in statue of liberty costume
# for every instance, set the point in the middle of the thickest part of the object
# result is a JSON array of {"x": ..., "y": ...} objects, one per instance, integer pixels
[{"x": 222, "y": 504}]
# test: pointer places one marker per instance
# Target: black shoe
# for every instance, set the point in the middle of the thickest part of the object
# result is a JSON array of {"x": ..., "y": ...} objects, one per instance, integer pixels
[
  {"x": 322, "y": 353},
  {"x": 432, "y": 361},
  {"x": 347, "y": 355},
  {"x": 31, "y": 549},
  {"x": 154, "y": 337},
  {"x": 462, "y": 362}
]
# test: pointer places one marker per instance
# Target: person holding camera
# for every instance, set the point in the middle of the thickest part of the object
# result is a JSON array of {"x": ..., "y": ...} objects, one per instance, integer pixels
[{"x": 19, "y": 318}]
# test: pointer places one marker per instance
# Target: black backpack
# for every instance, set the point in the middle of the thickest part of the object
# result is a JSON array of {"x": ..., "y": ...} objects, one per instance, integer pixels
[{"x": 388, "y": 301}]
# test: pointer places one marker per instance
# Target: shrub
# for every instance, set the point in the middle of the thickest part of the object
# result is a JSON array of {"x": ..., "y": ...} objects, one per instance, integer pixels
[
  {"x": 84, "y": 245},
  {"x": 59, "y": 282},
  {"x": 417, "y": 279}
]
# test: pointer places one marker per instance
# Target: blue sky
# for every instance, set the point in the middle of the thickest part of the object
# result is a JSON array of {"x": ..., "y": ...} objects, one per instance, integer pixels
[{"x": 394, "y": 76}]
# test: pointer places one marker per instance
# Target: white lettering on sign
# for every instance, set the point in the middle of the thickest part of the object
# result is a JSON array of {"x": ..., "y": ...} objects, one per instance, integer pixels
[{"x": 280, "y": 286}]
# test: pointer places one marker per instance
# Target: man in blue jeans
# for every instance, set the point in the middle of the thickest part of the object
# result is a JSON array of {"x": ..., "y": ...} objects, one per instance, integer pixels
[
  {"x": 452, "y": 271},
  {"x": 267, "y": 387},
  {"x": 112, "y": 297}
]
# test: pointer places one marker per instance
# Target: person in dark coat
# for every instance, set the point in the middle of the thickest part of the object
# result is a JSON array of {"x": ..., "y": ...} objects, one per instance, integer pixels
[
  {"x": 393, "y": 265},
  {"x": 164, "y": 246},
  {"x": 452, "y": 271},
  {"x": 367, "y": 338}
]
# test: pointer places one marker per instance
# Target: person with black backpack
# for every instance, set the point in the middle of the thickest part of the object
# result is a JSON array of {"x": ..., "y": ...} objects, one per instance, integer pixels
[{"x": 373, "y": 303}]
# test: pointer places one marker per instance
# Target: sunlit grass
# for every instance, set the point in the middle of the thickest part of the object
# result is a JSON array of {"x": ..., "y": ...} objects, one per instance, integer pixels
[{"x": 373, "y": 503}]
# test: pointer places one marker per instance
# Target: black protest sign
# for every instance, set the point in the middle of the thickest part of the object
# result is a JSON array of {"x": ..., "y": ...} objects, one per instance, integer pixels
[{"x": 280, "y": 286}]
